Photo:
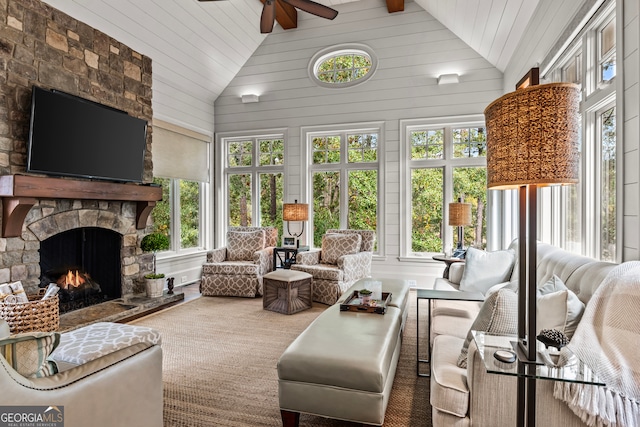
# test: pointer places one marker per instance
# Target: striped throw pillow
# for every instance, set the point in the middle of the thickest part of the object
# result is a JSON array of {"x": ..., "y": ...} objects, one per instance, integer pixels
[{"x": 27, "y": 353}]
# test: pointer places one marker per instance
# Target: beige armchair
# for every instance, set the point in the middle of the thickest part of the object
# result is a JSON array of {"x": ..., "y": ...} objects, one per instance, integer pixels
[
  {"x": 237, "y": 269},
  {"x": 344, "y": 258},
  {"x": 110, "y": 378}
]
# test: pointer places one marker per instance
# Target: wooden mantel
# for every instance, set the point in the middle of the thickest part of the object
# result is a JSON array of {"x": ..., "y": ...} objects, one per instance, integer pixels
[{"x": 20, "y": 192}]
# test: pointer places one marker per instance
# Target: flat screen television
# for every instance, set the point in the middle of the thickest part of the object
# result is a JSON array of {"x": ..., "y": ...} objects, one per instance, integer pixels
[{"x": 72, "y": 136}]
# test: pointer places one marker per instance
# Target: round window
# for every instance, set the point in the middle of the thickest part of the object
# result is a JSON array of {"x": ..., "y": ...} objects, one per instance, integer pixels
[{"x": 342, "y": 66}]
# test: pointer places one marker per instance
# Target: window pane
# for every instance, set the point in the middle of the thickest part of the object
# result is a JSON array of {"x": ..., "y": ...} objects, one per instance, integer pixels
[
  {"x": 189, "y": 214},
  {"x": 271, "y": 195},
  {"x": 326, "y": 204},
  {"x": 426, "y": 210},
  {"x": 363, "y": 199},
  {"x": 240, "y": 153},
  {"x": 428, "y": 144},
  {"x": 608, "y": 186},
  {"x": 469, "y": 142},
  {"x": 471, "y": 184},
  {"x": 271, "y": 152},
  {"x": 363, "y": 148},
  {"x": 326, "y": 149},
  {"x": 161, "y": 214},
  {"x": 239, "y": 200},
  {"x": 606, "y": 55},
  {"x": 572, "y": 224}
]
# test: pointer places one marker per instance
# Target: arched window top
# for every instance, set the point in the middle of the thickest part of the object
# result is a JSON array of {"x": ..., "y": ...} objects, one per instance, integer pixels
[{"x": 342, "y": 66}]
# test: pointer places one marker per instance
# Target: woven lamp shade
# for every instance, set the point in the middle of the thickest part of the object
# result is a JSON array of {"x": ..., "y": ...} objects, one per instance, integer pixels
[
  {"x": 295, "y": 212},
  {"x": 459, "y": 214},
  {"x": 532, "y": 137}
]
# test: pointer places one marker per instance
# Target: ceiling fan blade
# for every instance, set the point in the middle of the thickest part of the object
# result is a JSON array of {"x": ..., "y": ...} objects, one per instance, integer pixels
[
  {"x": 313, "y": 8},
  {"x": 268, "y": 16}
]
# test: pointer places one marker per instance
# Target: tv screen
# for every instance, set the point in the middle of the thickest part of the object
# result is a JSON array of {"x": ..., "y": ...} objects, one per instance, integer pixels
[{"x": 71, "y": 136}]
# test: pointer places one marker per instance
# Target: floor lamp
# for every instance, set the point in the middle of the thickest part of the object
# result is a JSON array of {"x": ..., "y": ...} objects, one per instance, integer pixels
[
  {"x": 295, "y": 212},
  {"x": 532, "y": 141},
  {"x": 459, "y": 216}
]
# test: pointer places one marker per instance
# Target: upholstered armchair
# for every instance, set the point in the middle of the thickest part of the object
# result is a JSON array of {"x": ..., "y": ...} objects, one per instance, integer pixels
[
  {"x": 237, "y": 268},
  {"x": 344, "y": 258}
]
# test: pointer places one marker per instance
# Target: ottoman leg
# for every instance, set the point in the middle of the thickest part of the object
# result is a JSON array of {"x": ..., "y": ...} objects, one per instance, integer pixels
[{"x": 290, "y": 419}]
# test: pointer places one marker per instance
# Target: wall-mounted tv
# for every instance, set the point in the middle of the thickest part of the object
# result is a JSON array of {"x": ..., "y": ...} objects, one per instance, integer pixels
[{"x": 72, "y": 136}]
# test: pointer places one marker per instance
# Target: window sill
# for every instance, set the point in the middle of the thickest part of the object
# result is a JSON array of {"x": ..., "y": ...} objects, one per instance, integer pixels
[{"x": 427, "y": 259}]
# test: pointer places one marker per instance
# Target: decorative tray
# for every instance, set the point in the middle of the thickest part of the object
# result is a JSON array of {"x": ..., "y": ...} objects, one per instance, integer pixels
[{"x": 354, "y": 303}]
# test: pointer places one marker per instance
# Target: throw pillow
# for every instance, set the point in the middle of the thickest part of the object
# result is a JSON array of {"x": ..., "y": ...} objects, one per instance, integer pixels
[
  {"x": 27, "y": 353},
  {"x": 498, "y": 315},
  {"x": 336, "y": 245},
  {"x": 482, "y": 270},
  {"x": 558, "y": 307},
  {"x": 241, "y": 245}
]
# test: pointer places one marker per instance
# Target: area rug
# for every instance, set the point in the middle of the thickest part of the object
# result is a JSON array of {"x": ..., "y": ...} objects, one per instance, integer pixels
[{"x": 219, "y": 366}]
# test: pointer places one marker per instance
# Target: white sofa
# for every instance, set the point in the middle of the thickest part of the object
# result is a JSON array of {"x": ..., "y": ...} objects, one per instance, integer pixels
[
  {"x": 120, "y": 386},
  {"x": 471, "y": 396}
]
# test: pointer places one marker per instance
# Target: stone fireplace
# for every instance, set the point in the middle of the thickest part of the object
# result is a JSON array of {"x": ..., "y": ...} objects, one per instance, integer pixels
[{"x": 44, "y": 47}]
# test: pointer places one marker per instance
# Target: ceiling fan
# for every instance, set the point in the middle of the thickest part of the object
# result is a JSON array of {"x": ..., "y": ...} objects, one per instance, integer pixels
[{"x": 269, "y": 11}]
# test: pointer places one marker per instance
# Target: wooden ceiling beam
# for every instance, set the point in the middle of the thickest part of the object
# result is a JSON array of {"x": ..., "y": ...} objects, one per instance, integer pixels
[{"x": 395, "y": 6}]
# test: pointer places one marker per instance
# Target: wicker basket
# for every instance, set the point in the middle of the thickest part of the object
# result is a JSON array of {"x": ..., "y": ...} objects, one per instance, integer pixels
[{"x": 35, "y": 315}]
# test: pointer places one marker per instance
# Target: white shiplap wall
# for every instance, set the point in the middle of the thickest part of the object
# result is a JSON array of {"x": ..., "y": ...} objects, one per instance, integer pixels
[{"x": 413, "y": 49}]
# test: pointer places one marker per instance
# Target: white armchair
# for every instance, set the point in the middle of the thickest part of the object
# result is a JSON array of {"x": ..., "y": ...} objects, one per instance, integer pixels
[
  {"x": 345, "y": 257},
  {"x": 237, "y": 269}
]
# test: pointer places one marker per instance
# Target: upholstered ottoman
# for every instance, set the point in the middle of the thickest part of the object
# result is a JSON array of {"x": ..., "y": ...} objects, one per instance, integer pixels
[{"x": 287, "y": 291}]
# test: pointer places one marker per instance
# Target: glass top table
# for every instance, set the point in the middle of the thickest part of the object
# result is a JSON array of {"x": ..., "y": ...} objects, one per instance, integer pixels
[{"x": 574, "y": 371}]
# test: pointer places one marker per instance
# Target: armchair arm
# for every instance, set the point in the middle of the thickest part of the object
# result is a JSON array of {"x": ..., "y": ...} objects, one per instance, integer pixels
[
  {"x": 217, "y": 255},
  {"x": 264, "y": 259},
  {"x": 355, "y": 266},
  {"x": 308, "y": 258}
]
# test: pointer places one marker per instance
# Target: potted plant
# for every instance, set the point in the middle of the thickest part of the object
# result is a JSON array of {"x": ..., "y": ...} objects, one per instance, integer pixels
[
  {"x": 154, "y": 242},
  {"x": 365, "y": 295}
]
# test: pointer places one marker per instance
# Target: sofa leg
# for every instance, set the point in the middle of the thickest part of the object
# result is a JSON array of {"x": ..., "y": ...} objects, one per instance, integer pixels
[{"x": 290, "y": 419}]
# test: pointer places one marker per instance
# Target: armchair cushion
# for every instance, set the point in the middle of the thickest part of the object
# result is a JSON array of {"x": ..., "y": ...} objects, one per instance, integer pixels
[
  {"x": 231, "y": 268},
  {"x": 336, "y": 245},
  {"x": 94, "y": 341},
  {"x": 322, "y": 271},
  {"x": 28, "y": 353},
  {"x": 241, "y": 245}
]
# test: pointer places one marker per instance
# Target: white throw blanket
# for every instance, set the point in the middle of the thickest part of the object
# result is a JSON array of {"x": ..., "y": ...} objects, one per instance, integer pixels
[{"x": 608, "y": 341}]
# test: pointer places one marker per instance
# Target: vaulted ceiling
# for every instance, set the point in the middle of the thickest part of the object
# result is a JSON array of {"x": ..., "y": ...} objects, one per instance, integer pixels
[{"x": 198, "y": 47}]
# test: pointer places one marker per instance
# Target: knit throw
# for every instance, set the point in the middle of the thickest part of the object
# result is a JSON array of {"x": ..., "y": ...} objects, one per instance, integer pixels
[{"x": 608, "y": 341}]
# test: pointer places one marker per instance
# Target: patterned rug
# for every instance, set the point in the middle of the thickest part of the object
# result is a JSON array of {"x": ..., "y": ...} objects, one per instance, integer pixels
[{"x": 220, "y": 358}]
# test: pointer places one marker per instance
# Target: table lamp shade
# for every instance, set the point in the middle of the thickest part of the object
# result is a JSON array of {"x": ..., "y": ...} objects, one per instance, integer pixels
[
  {"x": 532, "y": 137},
  {"x": 459, "y": 214},
  {"x": 295, "y": 212}
]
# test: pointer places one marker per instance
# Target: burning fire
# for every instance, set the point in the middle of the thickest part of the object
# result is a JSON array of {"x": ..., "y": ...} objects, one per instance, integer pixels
[{"x": 71, "y": 279}]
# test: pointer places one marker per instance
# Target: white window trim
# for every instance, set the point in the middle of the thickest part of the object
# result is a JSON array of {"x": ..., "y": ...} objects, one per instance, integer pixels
[
  {"x": 448, "y": 163},
  {"x": 221, "y": 170},
  {"x": 307, "y": 133},
  {"x": 343, "y": 49}
]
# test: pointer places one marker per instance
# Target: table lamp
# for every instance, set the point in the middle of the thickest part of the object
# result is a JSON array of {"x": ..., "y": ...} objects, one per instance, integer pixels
[
  {"x": 459, "y": 216},
  {"x": 532, "y": 141},
  {"x": 295, "y": 212}
]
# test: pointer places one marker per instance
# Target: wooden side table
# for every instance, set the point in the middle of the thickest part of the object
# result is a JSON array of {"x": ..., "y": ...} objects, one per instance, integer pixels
[{"x": 447, "y": 260}]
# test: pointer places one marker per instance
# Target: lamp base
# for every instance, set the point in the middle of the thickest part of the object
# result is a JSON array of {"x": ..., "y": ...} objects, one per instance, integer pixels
[
  {"x": 522, "y": 357},
  {"x": 459, "y": 253}
]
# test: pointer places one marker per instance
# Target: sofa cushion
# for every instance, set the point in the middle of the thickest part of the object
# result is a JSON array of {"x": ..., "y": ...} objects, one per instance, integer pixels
[
  {"x": 483, "y": 270},
  {"x": 498, "y": 315},
  {"x": 241, "y": 245},
  {"x": 449, "y": 390},
  {"x": 27, "y": 353},
  {"x": 558, "y": 307},
  {"x": 336, "y": 245}
]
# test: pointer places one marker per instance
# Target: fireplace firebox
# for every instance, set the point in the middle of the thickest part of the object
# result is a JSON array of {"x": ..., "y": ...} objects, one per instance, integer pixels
[{"x": 85, "y": 263}]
